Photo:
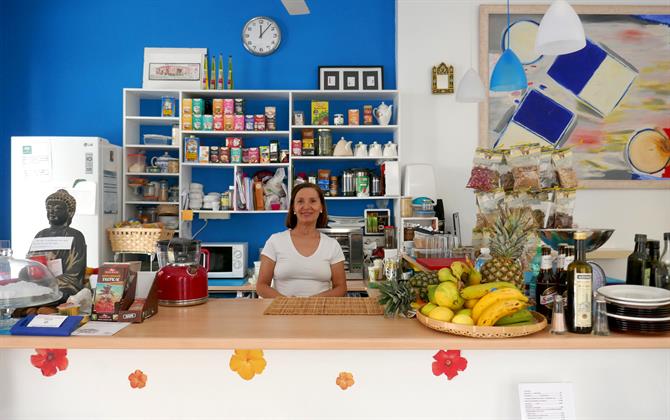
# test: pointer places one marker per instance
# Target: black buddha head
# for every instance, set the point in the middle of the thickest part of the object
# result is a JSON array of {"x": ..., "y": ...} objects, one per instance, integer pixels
[{"x": 60, "y": 208}]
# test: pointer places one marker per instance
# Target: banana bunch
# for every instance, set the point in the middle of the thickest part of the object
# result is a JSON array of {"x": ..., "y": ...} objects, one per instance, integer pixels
[{"x": 497, "y": 304}]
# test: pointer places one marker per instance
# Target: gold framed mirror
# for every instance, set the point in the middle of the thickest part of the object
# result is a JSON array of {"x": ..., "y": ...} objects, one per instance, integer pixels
[{"x": 443, "y": 78}]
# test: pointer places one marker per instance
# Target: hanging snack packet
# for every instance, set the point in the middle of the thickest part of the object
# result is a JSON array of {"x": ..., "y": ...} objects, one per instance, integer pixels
[
  {"x": 484, "y": 175},
  {"x": 563, "y": 164},
  {"x": 565, "y": 206},
  {"x": 488, "y": 204},
  {"x": 541, "y": 204},
  {"x": 518, "y": 200},
  {"x": 547, "y": 172},
  {"x": 525, "y": 162},
  {"x": 505, "y": 172}
]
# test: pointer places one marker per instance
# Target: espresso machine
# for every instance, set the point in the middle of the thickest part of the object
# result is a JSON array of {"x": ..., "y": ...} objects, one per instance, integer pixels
[{"x": 181, "y": 280}]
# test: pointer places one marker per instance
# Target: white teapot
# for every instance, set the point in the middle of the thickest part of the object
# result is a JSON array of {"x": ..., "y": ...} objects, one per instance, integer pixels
[
  {"x": 383, "y": 113},
  {"x": 361, "y": 149},
  {"x": 375, "y": 150},
  {"x": 390, "y": 149},
  {"x": 343, "y": 148}
]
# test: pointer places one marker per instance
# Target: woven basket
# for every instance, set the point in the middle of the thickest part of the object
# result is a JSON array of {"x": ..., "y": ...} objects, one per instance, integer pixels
[
  {"x": 140, "y": 240},
  {"x": 484, "y": 332}
]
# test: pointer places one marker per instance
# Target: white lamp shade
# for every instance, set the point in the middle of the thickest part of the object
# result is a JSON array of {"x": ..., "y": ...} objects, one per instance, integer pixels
[
  {"x": 561, "y": 31},
  {"x": 470, "y": 88}
]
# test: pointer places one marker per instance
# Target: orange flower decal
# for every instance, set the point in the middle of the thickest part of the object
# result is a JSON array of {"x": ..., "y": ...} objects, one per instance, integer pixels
[
  {"x": 345, "y": 380},
  {"x": 50, "y": 361},
  {"x": 137, "y": 379},
  {"x": 247, "y": 363}
]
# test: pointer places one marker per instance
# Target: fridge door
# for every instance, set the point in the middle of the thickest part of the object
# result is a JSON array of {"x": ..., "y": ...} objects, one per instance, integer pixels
[{"x": 42, "y": 165}]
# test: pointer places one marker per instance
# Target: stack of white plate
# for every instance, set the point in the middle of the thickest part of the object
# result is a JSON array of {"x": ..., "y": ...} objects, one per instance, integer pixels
[{"x": 641, "y": 309}]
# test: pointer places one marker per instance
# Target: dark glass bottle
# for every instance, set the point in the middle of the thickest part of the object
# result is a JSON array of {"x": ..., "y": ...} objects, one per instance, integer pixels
[
  {"x": 636, "y": 261},
  {"x": 562, "y": 277},
  {"x": 652, "y": 268},
  {"x": 578, "y": 312},
  {"x": 664, "y": 272},
  {"x": 546, "y": 286}
]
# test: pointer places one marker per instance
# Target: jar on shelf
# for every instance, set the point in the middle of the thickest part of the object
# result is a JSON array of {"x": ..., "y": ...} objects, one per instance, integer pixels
[{"x": 163, "y": 192}]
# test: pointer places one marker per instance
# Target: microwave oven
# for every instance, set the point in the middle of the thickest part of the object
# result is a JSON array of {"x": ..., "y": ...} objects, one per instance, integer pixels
[
  {"x": 351, "y": 242},
  {"x": 226, "y": 259}
]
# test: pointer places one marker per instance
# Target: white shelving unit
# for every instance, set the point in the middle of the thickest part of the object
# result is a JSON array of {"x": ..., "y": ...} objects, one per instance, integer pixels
[{"x": 133, "y": 120}]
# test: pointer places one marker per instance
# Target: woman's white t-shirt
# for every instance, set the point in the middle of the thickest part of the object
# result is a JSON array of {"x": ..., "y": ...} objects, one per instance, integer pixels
[{"x": 297, "y": 275}]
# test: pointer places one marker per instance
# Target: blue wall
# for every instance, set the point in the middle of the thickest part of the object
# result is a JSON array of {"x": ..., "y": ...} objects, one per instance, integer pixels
[{"x": 63, "y": 64}]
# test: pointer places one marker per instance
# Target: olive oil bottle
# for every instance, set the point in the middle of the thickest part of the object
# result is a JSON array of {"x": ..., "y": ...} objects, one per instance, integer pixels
[
  {"x": 580, "y": 290},
  {"x": 636, "y": 267}
]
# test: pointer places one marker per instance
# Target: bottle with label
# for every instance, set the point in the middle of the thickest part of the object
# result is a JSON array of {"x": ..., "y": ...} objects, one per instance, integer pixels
[
  {"x": 484, "y": 256},
  {"x": 559, "y": 263},
  {"x": 568, "y": 258},
  {"x": 578, "y": 312},
  {"x": 230, "y": 72},
  {"x": 546, "y": 286},
  {"x": 531, "y": 280},
  {"x": 219, "y": 75},
  {"x": 651, "y": 269},
  {"x": 636, "y": 261},
  {"x": 663, "y": 279},
  {"x": 205, "y": 75},
  {"x": 212, "y": 74}
]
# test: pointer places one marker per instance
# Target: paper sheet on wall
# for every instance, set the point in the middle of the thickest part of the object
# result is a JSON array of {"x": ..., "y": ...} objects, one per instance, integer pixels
[
  {"x": 36, "y": 161},
  {"x": 547, "y": 401},
  {"x": 85, "y": 194}
]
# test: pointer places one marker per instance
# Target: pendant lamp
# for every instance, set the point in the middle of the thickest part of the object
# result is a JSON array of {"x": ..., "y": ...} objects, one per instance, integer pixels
[
  {"x": 508, "y": 74},
  {"x": 470, "y": 87},
  {"x": 561, "y": 31}
]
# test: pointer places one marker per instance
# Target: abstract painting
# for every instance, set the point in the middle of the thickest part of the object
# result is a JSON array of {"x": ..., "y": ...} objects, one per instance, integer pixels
[{"x": 609, "y": 102}]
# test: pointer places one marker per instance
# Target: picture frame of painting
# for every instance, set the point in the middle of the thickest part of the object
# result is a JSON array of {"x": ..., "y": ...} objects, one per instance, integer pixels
[
  {"x": 173, "y": 68},
  {"x": 351, "y": 78},
  {"x": 609, "y": 102}
]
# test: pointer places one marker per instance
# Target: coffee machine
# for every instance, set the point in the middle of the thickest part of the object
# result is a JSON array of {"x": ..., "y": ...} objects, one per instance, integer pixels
[{"x": 181, "y": 280}]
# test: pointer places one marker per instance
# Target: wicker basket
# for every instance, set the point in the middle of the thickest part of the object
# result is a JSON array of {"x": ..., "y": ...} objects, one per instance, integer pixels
[
  {"x": 484, "y": 332},
  {"x": 139, "y": 240}
]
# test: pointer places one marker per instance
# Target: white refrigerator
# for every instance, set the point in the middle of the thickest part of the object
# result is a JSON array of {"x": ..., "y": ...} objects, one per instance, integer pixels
[{"x": 89, "y": 168}]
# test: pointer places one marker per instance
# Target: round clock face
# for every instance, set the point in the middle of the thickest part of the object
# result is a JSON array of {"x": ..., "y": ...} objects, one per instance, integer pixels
[{"x": 261, "y": 36}]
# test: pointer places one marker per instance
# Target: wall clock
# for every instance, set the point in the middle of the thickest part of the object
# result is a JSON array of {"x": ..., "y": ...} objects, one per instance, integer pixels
[{"x": 261, "y": 36}]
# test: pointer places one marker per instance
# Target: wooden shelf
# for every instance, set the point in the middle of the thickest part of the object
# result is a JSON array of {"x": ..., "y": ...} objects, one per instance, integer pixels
[{"x": 199, "y": 327}]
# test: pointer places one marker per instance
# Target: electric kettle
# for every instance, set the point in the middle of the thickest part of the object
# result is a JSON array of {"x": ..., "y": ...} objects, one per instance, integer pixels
[{"x": 181, "y": 280}]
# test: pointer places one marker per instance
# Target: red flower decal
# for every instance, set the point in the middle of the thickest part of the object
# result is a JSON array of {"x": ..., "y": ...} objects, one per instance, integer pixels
[
  {"x": 50, "y": 361},
  {"x": 137, "y": 379},
  {"x": 449, "y": 363}
]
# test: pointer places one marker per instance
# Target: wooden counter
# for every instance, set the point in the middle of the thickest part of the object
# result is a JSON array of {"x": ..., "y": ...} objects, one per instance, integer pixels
[{"x": 240, "y": 323}]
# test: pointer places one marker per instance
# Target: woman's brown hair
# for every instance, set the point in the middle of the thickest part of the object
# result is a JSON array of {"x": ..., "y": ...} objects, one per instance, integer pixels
[{"x": 292, "y": 219}]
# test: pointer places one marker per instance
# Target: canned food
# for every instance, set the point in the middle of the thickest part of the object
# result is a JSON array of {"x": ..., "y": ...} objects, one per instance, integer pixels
[
  {"x": 207, "y": 122},
  {"x": 239, "y": 106},
  {"x": 167, "y": 106},
  {"x": 198, "y": 106},
  {"x": 217, "y": 106}
]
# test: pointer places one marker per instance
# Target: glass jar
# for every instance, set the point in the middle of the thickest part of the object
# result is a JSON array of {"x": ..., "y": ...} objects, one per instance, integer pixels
[
  {"x": 163, "y": 190},
  {"x": 325, "y": 140},
  {"x": 151, "y": 214}
]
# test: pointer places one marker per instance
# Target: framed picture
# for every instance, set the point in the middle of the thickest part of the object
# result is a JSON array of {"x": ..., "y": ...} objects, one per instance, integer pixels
[
  {"x": 443, "y": 79},
  {"x": 351, "y": 78},
  {"x": 601, "y": 98},
  {"x": 173, "y": 68}
]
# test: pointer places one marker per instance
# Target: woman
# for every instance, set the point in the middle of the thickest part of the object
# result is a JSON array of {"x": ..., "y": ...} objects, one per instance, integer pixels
[{"x": 302, "y": 260}]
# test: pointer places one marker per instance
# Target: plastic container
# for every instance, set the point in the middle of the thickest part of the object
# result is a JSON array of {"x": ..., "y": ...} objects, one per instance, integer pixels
[
  {"x": 157, "y": 139},
  {"x": 137, "y": 162},
  {"x": 483, "y": 258}
]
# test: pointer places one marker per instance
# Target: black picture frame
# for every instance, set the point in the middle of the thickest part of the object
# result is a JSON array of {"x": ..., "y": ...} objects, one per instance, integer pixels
[{"x": 351, "y": 77}]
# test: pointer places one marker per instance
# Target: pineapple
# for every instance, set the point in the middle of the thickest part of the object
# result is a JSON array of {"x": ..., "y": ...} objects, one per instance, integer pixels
[
  {"x": 510, "y": 235},
  {"x": 396, "y": 297}
]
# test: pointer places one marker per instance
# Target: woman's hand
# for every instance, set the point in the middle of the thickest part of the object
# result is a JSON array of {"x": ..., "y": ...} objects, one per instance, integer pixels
[
  {"x": 265, "y": 275},
  {"x": 338, "y": 279}
]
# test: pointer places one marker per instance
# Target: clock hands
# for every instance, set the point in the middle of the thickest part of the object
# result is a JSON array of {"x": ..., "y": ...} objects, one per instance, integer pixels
[{"x": 263, "y": 31}]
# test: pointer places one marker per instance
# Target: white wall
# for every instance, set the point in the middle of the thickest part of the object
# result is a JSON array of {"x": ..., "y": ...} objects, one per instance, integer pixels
[{"x": 438, "y": 130}]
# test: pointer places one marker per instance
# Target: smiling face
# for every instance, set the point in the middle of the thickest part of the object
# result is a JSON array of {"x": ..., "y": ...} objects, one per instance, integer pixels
[{"x": 307, "y": 206}]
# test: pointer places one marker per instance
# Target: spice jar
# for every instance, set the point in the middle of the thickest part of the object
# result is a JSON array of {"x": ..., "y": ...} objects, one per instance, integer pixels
[{"x": 163, "y": 190}]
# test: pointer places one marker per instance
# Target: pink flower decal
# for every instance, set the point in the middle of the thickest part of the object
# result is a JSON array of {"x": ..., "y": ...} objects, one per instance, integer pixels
[
  {"x": 49, "y": 361},
  {"x": 449, "y": 363}
]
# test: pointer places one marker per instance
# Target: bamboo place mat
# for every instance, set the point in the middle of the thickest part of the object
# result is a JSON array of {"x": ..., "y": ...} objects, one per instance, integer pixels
[{"x": 324, "y": 306}]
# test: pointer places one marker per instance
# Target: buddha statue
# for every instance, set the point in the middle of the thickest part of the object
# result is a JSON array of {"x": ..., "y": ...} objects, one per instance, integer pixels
[{"x": 69, "y": 245}]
